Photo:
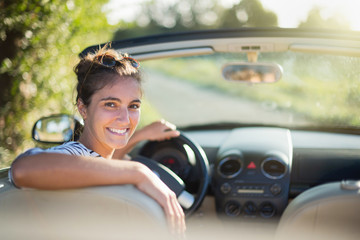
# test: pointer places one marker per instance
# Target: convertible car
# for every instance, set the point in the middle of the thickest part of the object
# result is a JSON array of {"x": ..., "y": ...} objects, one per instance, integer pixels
[{"x": 270, "y": 144}]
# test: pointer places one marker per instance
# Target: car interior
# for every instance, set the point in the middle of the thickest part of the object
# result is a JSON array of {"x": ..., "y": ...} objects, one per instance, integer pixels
[{"x": 256, "y": 179}]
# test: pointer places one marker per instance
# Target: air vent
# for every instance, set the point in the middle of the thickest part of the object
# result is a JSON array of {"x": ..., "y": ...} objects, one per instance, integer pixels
[
  {"x": 250, "y": 48},
  {"x": 273, "y": 168},
  {"x": 230, "y": 166}
]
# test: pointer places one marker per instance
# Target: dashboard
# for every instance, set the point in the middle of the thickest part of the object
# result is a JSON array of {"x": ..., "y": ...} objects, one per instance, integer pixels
[{"x": 256, "y": 171}]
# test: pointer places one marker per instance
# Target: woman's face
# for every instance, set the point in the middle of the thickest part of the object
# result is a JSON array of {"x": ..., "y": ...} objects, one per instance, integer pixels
[{"x": 112, "y": 116}]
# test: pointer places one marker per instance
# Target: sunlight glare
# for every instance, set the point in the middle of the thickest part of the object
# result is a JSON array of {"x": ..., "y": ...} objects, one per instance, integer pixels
[{"x": 290, "y": 13}]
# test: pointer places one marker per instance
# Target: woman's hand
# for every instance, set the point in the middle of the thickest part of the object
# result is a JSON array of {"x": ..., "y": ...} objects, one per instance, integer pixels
[
  {"x": 155, "y": 188},
  {"x": 159, "y": 131}
]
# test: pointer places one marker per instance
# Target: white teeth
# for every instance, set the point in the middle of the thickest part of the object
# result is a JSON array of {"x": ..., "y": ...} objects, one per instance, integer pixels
[{"x": 119, "y": 131}]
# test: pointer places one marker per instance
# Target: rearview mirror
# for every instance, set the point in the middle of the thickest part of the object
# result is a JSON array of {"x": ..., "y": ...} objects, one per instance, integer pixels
[
  {"x": 250, "y": 72},
  {"x": 58, "y": 128}
]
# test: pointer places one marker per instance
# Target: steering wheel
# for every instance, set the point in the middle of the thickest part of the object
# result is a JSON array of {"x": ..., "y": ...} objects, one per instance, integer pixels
[{"x": 173, "y": 181}]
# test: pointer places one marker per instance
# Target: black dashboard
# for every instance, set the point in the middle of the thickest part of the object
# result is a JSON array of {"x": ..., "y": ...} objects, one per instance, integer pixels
[
  {"x": 255, "y": 171},
  {"x": 252, "y": 173},
  {"x": 323, "y": 157}
]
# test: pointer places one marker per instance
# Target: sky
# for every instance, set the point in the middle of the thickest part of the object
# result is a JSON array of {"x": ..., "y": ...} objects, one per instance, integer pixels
[{"x": 290, "y": 12}]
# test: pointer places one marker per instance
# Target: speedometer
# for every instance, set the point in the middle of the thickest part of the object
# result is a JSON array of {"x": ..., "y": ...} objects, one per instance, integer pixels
[
  {"x": 173, "y": 159},
  {"x": 171, "y": 162}
]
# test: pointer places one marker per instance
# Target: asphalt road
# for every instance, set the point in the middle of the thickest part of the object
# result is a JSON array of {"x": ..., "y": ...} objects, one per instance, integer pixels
[{"x": 186, "y": 104}]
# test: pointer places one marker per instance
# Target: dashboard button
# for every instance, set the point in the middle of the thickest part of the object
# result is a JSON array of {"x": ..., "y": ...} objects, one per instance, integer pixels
[
  {"x": 225, "y": 188},
  {"x": 275, "y": 189}
]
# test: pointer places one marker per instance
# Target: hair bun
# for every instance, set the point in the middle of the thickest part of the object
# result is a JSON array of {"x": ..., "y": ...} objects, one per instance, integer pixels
[{"x": 82, "y": 68}]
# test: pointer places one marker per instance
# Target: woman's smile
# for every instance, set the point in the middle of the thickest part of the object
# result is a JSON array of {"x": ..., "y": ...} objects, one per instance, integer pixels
[{"x": 121, "y": 132}]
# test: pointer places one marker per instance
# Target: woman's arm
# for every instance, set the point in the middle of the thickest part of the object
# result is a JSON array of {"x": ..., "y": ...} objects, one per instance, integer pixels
[
  {"x": 61, "y": 171},
  {"x": 156, "y": 131}
]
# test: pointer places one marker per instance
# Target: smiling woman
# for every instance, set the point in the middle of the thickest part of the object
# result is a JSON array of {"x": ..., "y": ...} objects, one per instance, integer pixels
[
  {"x": 255, "y": 147},
  {"x": 109, "y": 100}
]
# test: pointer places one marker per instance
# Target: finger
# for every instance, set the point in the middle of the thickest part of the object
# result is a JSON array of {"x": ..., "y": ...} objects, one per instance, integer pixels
[
  {"x": 172, "y": 222},
  {"x": 171, "y": 133},
  {"x": 176, "y": 217},
  {"x": 166, "y": 135},
  {"x": 179, "y": 217},
  {"x": 169, "y": 219},
  {"x": 170, "y": 216},
  {"x": 170, "y": 125}
]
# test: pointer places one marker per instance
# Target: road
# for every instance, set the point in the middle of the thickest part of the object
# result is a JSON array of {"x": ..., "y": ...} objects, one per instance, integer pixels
[{"x": 186, "y": 104}]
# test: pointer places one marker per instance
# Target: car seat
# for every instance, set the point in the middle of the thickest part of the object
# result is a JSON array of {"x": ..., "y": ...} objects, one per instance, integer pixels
[
  {"x": 328, "y": 211},
  {"x": 108, "y": 212}
]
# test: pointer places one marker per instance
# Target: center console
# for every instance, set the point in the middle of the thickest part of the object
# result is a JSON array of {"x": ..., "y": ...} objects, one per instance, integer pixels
[{"x": 252, "y": 173}]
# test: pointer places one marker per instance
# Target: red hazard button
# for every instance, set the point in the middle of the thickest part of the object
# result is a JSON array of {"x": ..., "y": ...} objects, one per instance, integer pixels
[{"x": 251, "y": 165}]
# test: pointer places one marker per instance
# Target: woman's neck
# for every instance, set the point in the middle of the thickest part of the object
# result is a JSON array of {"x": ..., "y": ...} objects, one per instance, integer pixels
[{"x": 98, "y": 148}]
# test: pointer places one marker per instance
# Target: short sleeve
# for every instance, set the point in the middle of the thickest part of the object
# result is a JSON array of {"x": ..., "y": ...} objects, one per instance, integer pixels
[{"x": 69, "y": 148}]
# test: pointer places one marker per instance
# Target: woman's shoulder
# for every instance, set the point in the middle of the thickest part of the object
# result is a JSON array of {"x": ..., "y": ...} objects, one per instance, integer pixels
[
  {"x": 69, "y": 148},
  {"x": 74, "y": 148}
]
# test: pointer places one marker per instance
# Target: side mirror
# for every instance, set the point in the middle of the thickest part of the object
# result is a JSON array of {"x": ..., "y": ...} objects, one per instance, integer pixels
[
  {"x": 252, "y": 72},
  {"x": 56, "y": 129}
]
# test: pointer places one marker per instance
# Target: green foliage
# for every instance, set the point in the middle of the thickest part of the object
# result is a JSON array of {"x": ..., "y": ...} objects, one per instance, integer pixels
[
  {"x": 39, "y": 44},
  {"x": 314, "y": 20},
  {"x": 248, "y": 13},
  {"x": 176, "y": 16}
]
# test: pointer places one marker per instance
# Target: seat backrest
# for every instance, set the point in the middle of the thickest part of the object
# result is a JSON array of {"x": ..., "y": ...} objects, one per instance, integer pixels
[
  {"x": 109, "y": 212},
  {"x": 328, "y": 211}
]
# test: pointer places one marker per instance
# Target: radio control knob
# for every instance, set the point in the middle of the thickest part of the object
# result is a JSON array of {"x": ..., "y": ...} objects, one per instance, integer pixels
[
  {"x": 275, "y": 189},
  {"x": 225, "y": 188},
  {"x": 250, "y": 209},
  {"x": 232, "y": 209}
]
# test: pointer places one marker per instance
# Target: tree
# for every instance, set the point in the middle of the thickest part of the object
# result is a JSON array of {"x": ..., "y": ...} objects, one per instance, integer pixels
[
  {"x": 184, "y": 15},
  {"x": 248, "y": 13},
  {"x": 39, "y": 44},
  {"x": 314, "y": 20}
]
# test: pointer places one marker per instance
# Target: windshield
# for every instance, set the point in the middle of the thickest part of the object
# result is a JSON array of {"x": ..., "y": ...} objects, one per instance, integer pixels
[{"x": 314, "y": 91}]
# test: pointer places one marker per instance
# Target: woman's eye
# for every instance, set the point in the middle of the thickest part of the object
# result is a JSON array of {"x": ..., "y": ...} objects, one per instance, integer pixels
[
  {"x": 135, "y": 106},
  {"x": 110, "y": 104}
]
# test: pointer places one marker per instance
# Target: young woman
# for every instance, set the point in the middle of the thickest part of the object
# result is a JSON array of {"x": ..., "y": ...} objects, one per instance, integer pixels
[{"x": 109, "y": 100}]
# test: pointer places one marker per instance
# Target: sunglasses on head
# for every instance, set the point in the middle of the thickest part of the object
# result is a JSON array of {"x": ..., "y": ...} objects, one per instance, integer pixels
[{"x": 109, "y": 61}]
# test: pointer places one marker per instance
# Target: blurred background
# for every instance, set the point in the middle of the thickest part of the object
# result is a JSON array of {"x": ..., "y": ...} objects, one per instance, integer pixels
[{"x": 40, "y": 41}]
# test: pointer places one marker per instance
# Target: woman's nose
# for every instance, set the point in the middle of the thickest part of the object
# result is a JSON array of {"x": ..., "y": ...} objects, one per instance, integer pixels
[{"x": 123, "y": 115}]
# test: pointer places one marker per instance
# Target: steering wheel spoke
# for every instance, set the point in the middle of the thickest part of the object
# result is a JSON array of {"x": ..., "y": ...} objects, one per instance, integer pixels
[{"x": 187, "y": 200}]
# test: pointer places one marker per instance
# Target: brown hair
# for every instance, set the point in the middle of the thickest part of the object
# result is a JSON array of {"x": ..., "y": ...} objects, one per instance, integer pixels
[{"x": 93, "y": 75}]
